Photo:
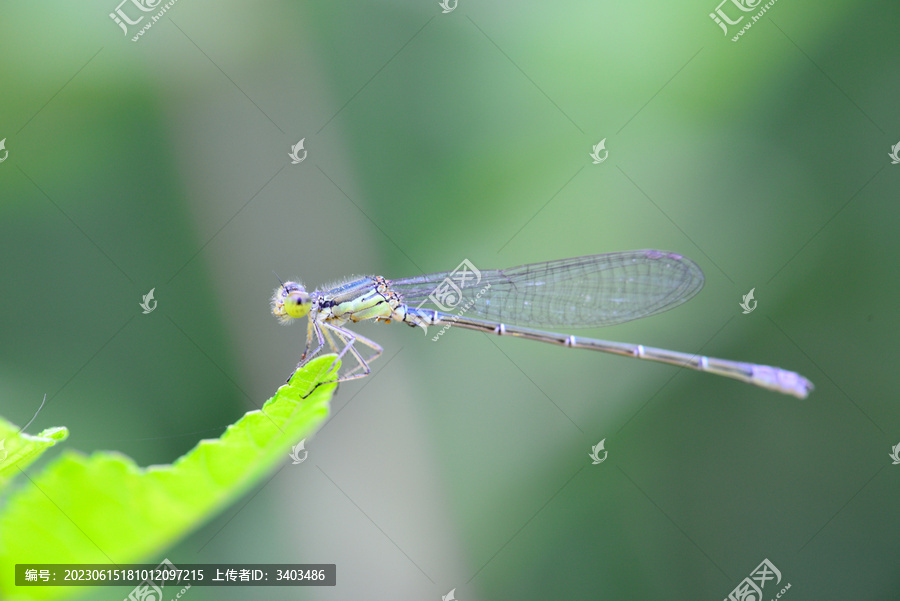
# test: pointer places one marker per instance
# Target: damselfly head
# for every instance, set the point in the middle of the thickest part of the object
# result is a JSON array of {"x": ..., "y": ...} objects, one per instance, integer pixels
[{"x": 290, "y": 301}]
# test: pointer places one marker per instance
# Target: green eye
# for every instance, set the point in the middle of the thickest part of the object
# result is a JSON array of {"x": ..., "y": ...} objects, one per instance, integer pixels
[
  {"x": 290, "y": 301},
  {"x": 296, "y": 304}
]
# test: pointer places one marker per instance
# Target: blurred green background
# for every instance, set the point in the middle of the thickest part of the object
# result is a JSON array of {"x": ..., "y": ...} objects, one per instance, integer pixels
[{"x": 434, "y": 138}]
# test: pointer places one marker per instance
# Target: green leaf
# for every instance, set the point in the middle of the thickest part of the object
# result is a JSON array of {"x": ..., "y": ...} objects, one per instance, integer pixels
[
  {"x": 18, "y": 450},
  {"x": 103, "y": 508}
]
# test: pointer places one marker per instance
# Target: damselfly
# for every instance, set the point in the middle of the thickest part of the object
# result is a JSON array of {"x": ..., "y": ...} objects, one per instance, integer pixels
[{"x": 583, "y": 292}]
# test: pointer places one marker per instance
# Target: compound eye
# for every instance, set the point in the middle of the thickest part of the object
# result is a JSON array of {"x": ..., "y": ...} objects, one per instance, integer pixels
[{"x": 297, "y": 304}]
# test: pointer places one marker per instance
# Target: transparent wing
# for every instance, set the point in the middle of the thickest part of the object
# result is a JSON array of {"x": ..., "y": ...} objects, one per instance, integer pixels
[{"x": 584, "y": 292}]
